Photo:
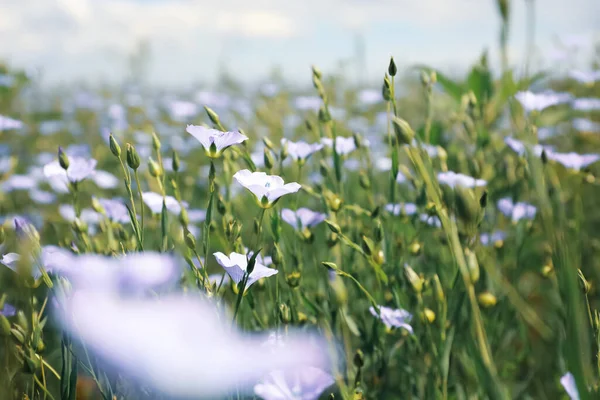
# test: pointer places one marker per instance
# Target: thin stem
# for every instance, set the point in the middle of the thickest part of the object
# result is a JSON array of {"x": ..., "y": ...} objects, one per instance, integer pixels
[{"x": 139, "y": 189}]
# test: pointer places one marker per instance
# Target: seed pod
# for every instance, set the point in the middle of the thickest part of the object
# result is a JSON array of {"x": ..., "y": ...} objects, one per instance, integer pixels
[
  {"x": 285, "y": 314},
  {"x": 293, "y": 279},
  {"x": 364, "y": 181},
  {"x": 154, "y": 168},
  {"x": 190, "y": 240},
  {"x": 335, "y": 228},
  {"x": 386, "y": 91},
  {"x": 276, "y": 255},
  {"x": 221, "y": 208},
  {"x": 438, "y": 290},
  {"x": 268, "y": 159},
  {"x": 378, "y": 231},
  {"x": 467, "y": 207},
  {"x": 367, "y": 245},
  {"x": 359, "y": 359},
  {"x": 428, "y": 315},
  {"x": 213, "y": 116}
]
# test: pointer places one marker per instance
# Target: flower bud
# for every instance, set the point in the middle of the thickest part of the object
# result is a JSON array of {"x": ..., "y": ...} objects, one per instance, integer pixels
[
  {"x": 379, "y": 257},
  {"x": 413, "y": 278},
  {"x": 268, "y": 159},
  {"x": 183, "y": 217},
  {"x": 404, "y": 132},
  {"x": 472, "y": 265},
  {"x": 334, "y": 202},
  {"x": 324, "y": 115},
  {"x": 133, "y": 159},
  {"x": 285, "y": 314},
  {"x": 63, "y": 160},
  {"x": 438, "y": 289},
  {"x": 221, "y": 208},
  {"x": 293, "y": 279},
  {"x": 155, "y": 142},
  {"x": 367, "y": 245},
  {"x": 359, "y": 359},
  {"x": 585, "y": 285},
  {"x": 433, "y": 77},
  {"x": 79, "y": 226},
  {"x": 392, "y": 69},
  {"x": 386, "y": 90},
  {"x": 467, "y": 207},
  {"x": 268, "y": 143},
  {"x": 364, "y": 181},
  {"x": 190, "y": 240},
  {"x": 323, "y": 169},
  {"x": 332, "y": 239},
  {"x": 4, "y": 326},
  {"x": 487, "y": 300},
  {"x": 114, "y": 146},
  {"x": 175, "y": 161},
  {"x": 415, "y": 248},
  {"x": 378, "y": 231},
  {"x": 425, "y": 79},
  {"x": 154, "y": 168},
  {"x": 335, "y": 228},
  {"x": 2, "y": 235},
  {"x": 428, "y": 315},
  {"x": 276, "y": 255},
  {"x": 213, "y": 116},
  {"x": 96, "y": 206}
]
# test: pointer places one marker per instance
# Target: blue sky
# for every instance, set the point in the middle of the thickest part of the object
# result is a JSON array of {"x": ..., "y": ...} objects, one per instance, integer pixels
[{"x": 191, "y": 40}]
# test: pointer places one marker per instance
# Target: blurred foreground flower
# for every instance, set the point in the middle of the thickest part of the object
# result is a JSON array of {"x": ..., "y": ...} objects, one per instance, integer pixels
[
  {"x": 236, "y": 266},
  {"x": 303, "y": 384},
  {"x": 573, "y": 160},
  {"x": 393, "y": 318},
  {"x": 343, "y": 145},
  {"x": 214, "y": 141},
  {"x": 154, "y": 201},
  {"x": 181, "y": 346},
  {"x": 267, "y": 188},
  {"x": 585, "y": 77},
  {"x": 568, "y": 382}
]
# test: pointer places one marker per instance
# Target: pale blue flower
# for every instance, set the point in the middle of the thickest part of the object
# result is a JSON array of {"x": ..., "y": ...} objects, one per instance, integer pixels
[
  {"x": 7, "y": 80},
  {"x": 18, "y": 182},
  {"x": 431, "y": 220},
  {"x": 585, "y": 125},
  {"x": 154, "y": 201},
  {"x": 343, "y": 145},
  {"x": 540, "y": 101},
  {"x": 115, "y": 210},
  {"x": 105, "y": 180},
  {"x": 265, "y": 187},
  {"x": 568, "y": 382},
  {"x": 491, "y": 238},
  {"x": 180, "y": 110},
  {"x": 516, "y": 211},
  {"x": 520, "y": 147},
  {"x": 300, "y": 151},
  {"x": 401, "y": 208},
  {"x": 42, "y": 196},
  {"x": 8, "y": 310},
  {"x": 8, "y": 124},
  {"x": 47, "y": 128},
  {"x": 586, "y": 104},
  {"x": 393, "y": 318},
  {"x": 454, "y": 179},
  {"x": 573, "y": 160},
  {"x": 307, "y": 103},
  {"x": 79, "y": 169},
  {"x": 302, "y": 218},
  {"x": 236, "y": 264},
  {"x": 370, "y": 97},
  {"x": 585, "y": 77},
  {"x": 306, "y": 383},
  {"x": 214, "y": 141},
  {"x": 89, "y": 216}
]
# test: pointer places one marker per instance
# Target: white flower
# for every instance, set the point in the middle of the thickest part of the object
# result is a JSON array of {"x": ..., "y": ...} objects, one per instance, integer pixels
[
  {"x": 89, "y": 216},
  {"x": 154, "y": 201},
  {"x": 306, "y": 383},
  {"x": 105, "y": 180},
  {"x": 195, "y": 352},
  {"x": 585, "y": 125},
  {"x": 214, "y": 141},
  {"x": 267, "y": 188},
  {"x": 585, "y": 77},
  {"x": 300, "y": 151},
  {"x": 302, "y": 217},
  {"x": 586, "y": 104},
  {"x": 568, "y": 382},
  {"x": 454, "y": 179},
  {"x": 115, "y": 210},
  {"x": 516, "y": 211},
  {"x": 79, "y": 169},
  {"x": 343, "y": 145},
  {"x": 236, "y": 266}
]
